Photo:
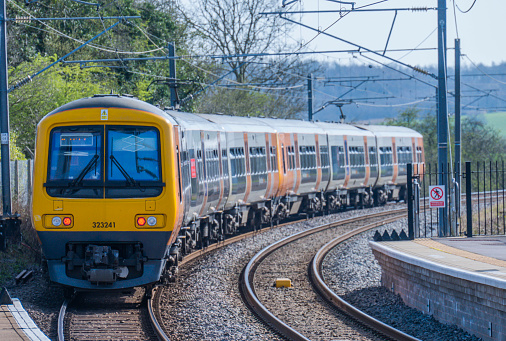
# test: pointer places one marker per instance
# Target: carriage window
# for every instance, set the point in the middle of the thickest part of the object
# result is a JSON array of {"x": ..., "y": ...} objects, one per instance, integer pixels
[
  {"x": 419, "y": 158},
  {"x": 274, "y": 163},
  {"x": 386, "y": 156}
]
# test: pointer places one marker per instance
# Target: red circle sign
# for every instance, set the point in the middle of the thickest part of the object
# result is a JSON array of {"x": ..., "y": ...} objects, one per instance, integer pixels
[{"x": 436, "y": 193}]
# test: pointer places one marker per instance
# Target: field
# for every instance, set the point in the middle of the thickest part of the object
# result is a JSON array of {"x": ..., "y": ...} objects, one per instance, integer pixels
[{"x": 498, "y": 121}]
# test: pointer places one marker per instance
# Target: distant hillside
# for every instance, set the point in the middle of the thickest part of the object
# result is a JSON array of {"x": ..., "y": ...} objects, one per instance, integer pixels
[
  {"x": 371, "y": 92},
  {"x": 497, "y": 120}
]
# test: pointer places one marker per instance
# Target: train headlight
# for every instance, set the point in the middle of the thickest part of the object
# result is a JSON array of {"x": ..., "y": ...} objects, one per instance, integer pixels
[
  {"x": 141, "y": 221},
  {"x": 152, "y": 221},
  {"x": 61, "y": 221}
]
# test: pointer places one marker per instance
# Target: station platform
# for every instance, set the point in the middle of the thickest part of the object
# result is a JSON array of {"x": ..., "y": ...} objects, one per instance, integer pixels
[
  {"x": 480, "y": 255},
  {"x": 15, "y": 323},
  {"x": 459, "y": 281}
]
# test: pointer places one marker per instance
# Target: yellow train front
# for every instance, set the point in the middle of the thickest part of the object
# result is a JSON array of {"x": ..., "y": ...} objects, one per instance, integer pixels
[{"x": 104, "y": 204}]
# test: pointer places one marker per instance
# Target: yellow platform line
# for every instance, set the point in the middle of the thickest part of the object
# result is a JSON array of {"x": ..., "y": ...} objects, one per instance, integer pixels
[{"x": 458, "y": 252}]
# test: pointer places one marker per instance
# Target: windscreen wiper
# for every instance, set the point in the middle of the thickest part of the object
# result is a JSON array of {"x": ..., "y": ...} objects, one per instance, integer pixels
[
  {"x": 128, "y": 178},
  {"x": 85, "y": 171}
]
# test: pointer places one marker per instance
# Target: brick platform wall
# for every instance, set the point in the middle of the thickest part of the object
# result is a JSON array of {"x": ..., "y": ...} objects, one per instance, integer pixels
[{"x": 471, "y": 301}]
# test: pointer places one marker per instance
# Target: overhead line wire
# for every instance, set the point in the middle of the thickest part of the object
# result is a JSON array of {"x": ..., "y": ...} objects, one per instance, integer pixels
[
  {"x": 470, "y": 8},
  {"x": 95, "y": 46}
]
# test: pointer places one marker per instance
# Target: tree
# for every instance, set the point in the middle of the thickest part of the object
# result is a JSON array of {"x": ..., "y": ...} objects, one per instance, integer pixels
[
  {"x": 152, "y": 32},
  {"x": 476, "y": 134},
  {"x": 236, "y": 30},
  {"x": 58, "y": 85}
]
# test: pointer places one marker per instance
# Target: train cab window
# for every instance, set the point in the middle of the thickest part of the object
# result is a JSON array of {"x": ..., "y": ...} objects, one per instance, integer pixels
[
  {"x": 133, "y": 156},
  {"x": 132, "y": 162},
  {"x": 75, "y": 167}
]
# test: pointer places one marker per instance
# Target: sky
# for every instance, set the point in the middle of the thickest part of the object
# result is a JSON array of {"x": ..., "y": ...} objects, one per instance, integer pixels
[{"x": 482, "y": 30}]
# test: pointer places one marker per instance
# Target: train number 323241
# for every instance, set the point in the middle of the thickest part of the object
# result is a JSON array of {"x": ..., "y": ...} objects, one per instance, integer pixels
[{"x": 103, "y": 225}]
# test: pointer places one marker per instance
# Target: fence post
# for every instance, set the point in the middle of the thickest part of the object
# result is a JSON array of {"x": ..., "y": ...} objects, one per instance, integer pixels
[
  {"x": 409, "y": 198},
  {"x": 469, "y": 206}
]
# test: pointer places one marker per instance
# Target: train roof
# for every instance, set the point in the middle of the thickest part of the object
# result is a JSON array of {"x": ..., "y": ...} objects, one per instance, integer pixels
[
  {"x": 111, "y": 101},
  {"x": 342, "y": 129},
  {"x": 238, "y": 123},
  {"x": 191, "y": 121},
  {"x": 291, "y": 126},
  {"x": 390, "y": 131}
]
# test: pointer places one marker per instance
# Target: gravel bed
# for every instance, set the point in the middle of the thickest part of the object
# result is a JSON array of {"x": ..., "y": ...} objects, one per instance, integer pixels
[
  {"x": 213, "y": 282},
  {"x": 300, "y": 306},
  {"x": 351, "y": 270},
  {"x": 205, "y": 303}
]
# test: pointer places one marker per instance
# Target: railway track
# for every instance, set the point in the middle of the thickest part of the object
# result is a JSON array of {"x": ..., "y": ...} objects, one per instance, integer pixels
[
  {"x": 114, "y": 316},
  {"x": 110, "y": 316},
  {"x": 321, "y": 287},
  {"x": 101, "y": 320},
  {"x": 299, "y": 313}
]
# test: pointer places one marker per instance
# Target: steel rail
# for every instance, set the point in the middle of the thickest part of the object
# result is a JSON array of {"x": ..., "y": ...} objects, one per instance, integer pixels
[
  {"x": 154, "y": 321},
  {"x": 61, "y": 319},
  {"x": 337, "y": 302},
  {"x": 246, "y": 279}
]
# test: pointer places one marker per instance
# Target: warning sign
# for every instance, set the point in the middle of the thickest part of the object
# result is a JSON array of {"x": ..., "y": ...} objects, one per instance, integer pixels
[{"x": 437, "y": 196}]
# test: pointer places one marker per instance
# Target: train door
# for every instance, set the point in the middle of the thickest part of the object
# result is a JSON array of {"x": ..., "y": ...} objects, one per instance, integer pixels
[
  {"x": 211, "y": 170},
  {"x": 324, "y": 162},
  {"x": 372, "y": 150},
  {"x": 224, "y": 170},
  {"x": 196, "y": 171},
  {"x": 337, "y": 161},
  {"x": 237, "y": 166},
  {"x": 179, "y": 165},
  {"x": 274, "y": 165},
  {"x": 257, "y": 143},
  {"x": 296, "y": 162}
]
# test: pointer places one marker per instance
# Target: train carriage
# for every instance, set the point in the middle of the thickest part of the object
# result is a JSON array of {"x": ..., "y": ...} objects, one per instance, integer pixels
[
  {"x": 123, "y": 190},
  {"x": 397, "y": 146}
]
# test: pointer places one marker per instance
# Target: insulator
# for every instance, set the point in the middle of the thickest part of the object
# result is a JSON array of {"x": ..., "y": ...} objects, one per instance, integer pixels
[
  {"x": 23, "y": 82},
  {"x": 22, "y": 19},
  {"x": 419, "y": 9},
  {"x": 417, "y": 69}
]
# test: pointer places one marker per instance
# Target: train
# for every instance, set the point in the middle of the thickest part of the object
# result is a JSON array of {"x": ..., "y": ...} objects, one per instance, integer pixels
[{"x": 122, "y": 189}]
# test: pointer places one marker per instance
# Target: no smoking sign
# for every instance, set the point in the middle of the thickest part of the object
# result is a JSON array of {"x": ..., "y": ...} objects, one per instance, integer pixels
[{"x": 437, "y": 196}]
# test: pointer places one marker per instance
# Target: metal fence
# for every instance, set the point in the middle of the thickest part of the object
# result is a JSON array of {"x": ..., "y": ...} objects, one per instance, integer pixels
[
  {"x": 474, "y": 200},
  {"x": 21, "y": 187}
]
